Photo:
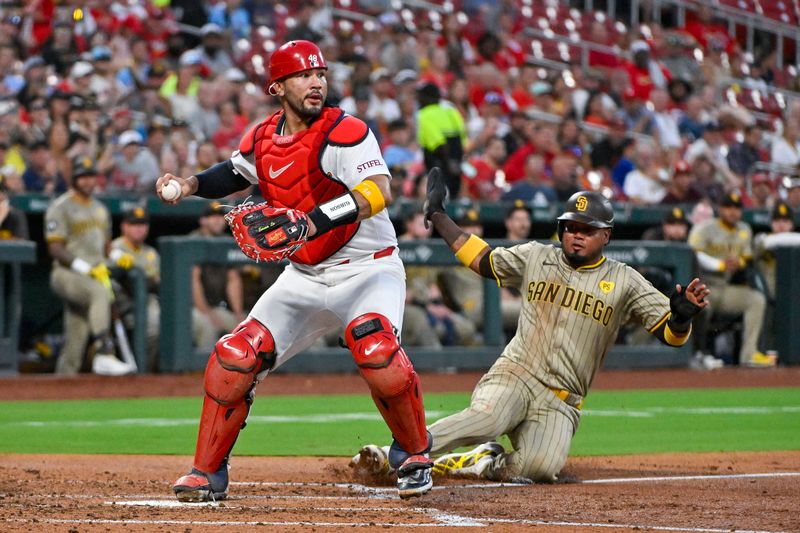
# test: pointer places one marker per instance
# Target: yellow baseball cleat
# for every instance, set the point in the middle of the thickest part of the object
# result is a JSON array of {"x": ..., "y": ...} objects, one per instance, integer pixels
[
  {"x": 761, "y": 360},
  {"x": 468, "y": 464}
]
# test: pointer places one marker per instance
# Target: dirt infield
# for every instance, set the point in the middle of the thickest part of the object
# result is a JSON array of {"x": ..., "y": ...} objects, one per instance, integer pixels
[
  {"x": 132, "y": 493},
  {"x": 695, "y": 492}
]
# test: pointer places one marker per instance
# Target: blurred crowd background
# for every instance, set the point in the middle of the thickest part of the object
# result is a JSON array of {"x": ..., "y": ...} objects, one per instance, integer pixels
[
  {"x": 553, "y": 97},
  {"x": 648, "y": 102}
]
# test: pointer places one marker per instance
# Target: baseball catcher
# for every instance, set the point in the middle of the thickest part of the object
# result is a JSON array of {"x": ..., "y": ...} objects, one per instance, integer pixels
[{"x": 326, "y": 187}]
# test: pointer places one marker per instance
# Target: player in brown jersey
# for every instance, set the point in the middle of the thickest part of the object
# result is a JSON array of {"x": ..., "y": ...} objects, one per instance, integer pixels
[
  {"x": 574, "y": 301},
  {"x": 78, "y": 231}
]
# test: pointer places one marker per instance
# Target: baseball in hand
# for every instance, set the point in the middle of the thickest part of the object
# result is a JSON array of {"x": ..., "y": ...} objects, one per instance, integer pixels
[{"x": 171, "y": 191}]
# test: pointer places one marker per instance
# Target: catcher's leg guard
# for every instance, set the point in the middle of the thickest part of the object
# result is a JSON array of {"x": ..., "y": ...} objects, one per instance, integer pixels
[
  {"x": 230, "y": 377},
  {"x": 229, "y": 381},
  {"x": 391, "y": 378}
]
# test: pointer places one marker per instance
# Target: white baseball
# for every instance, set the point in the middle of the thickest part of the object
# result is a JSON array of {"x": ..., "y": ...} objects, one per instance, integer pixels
[{"x": 171, "y": 191}]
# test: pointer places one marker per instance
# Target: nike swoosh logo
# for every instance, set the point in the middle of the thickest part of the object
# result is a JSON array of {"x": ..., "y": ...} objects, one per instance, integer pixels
[
  {"x": 371, "y": 349},
  {"x": 275, "y": 173}
]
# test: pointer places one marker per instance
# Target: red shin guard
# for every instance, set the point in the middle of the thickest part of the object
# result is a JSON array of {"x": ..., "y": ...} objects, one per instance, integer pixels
[
  {"x": 230, "y": 375},
  {"x": 391, "y": 378}
]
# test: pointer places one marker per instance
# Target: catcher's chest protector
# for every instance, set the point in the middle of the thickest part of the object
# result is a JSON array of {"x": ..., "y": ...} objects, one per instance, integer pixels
[{"x": 289, "y": 174}]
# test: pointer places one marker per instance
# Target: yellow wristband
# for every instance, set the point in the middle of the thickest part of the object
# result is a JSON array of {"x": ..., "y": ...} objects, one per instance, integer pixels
[
  {"x": 470, "y": 250},
  {"x": 676, "y": 339},
  {"x": 370, "y": 190}
]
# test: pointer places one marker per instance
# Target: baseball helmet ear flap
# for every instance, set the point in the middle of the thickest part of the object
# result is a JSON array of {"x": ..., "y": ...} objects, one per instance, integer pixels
[
  {"x": 294, "y": 57},
  {"x": 587, "y": 207}
]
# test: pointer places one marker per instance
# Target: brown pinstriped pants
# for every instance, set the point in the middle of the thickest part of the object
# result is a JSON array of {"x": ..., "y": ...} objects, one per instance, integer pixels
[{"x": 539, "y": 425}]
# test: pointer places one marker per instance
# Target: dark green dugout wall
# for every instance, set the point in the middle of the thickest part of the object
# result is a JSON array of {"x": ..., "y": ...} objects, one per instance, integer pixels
[
  {"x": 178, "y": 254},
  {"x": 41, "y": 310}
]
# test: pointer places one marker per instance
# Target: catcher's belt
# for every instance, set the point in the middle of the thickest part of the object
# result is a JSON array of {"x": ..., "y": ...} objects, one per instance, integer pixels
[{"x": 377, "y": 255}]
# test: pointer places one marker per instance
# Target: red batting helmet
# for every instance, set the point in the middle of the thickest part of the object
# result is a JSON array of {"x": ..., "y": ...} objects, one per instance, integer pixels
[{"x": 294, "y": 57}]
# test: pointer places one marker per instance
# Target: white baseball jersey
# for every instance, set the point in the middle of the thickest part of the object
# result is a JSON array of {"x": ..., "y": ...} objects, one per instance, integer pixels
[
  {"x": 350, "y": 165},
  {"x": 308, "y": 301}
]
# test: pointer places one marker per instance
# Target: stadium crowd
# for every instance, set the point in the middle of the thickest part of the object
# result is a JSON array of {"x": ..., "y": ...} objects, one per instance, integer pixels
[{"x": 658, "y": 114}]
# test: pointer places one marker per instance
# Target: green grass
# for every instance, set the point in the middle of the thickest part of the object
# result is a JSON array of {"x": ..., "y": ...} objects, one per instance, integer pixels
[{"x": 613, "y": 423}]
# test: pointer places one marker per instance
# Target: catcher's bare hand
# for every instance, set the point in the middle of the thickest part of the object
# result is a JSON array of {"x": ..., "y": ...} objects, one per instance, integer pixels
[
  {"x": 266, "y": 233},
  {"x": 186, "y": 188}
]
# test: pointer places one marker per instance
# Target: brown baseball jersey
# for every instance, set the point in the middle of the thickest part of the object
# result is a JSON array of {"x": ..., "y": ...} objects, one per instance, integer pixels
[
  {"x": 570, "y": 317},
  {"x": 145, "y": 257},
  {"x": 83, "y": 225},
  {"x": 718, "y": 240},
  {"x": 533, "y": 393}
]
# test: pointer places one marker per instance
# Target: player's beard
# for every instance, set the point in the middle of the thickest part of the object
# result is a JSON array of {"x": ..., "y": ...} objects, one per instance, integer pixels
[
  {"x": 575, "y": 259},
  {"x": 84, "y": 185},
  {"x": 304, "y": 112}
]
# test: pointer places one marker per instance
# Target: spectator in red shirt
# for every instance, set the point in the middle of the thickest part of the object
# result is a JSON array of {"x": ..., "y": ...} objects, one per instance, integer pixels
[
  {"x": 485, "y": 78},
  {"x": 644, "y": 72},
  {"x": 42, "y": 13},
  {"x": 704, "y": 29},
  {"x": 437, "y": 71},
  {"x": 488, "y": 179},
  {"x": 521, "y": 91},
  {"x": 543, "y": 141},
  {"x": 595, "y": 112},
  {"x": 491, "y": 49},
  {"x": 598, "y": 59}
]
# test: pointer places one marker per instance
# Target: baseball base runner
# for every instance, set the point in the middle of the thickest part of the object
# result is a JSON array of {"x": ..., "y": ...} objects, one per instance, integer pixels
[{"x": 574, "y": 302}]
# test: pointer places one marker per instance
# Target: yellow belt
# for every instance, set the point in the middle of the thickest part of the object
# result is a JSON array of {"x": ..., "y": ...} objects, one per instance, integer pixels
[{"x": 563, "y": 395}]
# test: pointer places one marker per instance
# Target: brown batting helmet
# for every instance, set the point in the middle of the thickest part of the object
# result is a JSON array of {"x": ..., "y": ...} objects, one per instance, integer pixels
[{"x": 587, "y": 207}]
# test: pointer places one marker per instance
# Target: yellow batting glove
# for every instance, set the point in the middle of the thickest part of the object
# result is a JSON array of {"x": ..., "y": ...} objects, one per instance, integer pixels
[
  {"x": 125, "y": 261},
  {"x": 122, "y": 259},
  {"x": 100, "y": 273}
]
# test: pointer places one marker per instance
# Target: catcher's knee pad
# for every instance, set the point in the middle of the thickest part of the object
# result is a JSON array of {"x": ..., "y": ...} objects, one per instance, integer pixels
[
  {"x": 391, "y": 379},
  {"x": 237, "y": 358},
  {"x": 229, "y": 379}
]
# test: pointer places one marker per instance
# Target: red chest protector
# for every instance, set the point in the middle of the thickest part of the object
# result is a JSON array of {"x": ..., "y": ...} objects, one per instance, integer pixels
[{"x": 289, "y": 173}]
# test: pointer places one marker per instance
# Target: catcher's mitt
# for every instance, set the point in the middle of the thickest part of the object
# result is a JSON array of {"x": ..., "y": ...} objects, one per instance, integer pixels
[{"x": 267, "y": 233}]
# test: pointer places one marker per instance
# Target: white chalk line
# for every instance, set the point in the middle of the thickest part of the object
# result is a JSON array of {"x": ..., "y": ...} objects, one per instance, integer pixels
[
  {"x": 331, "y": 418},
  {"x": 687, "y": 478},
  {"x": 242, "y": 523},
  {"x": 391, "y": 493},
  {"x": 357, "y": 487},
  {"x": 444, "y": 520},
  {"x": 226, "y": 503}
]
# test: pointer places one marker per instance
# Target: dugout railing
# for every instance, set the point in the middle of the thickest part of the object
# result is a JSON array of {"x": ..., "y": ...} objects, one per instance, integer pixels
[
  {"x": 13, "y": 254},
  {"x": 179, "y": 254},
  {"x": 787, "y": 304},
  {"x": 164, "y": 218},
  {"x": 137, "y": 282}
]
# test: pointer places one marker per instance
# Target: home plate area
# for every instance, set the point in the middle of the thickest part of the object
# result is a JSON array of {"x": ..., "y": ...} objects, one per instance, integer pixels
[{"x": 696, "y": 492}]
